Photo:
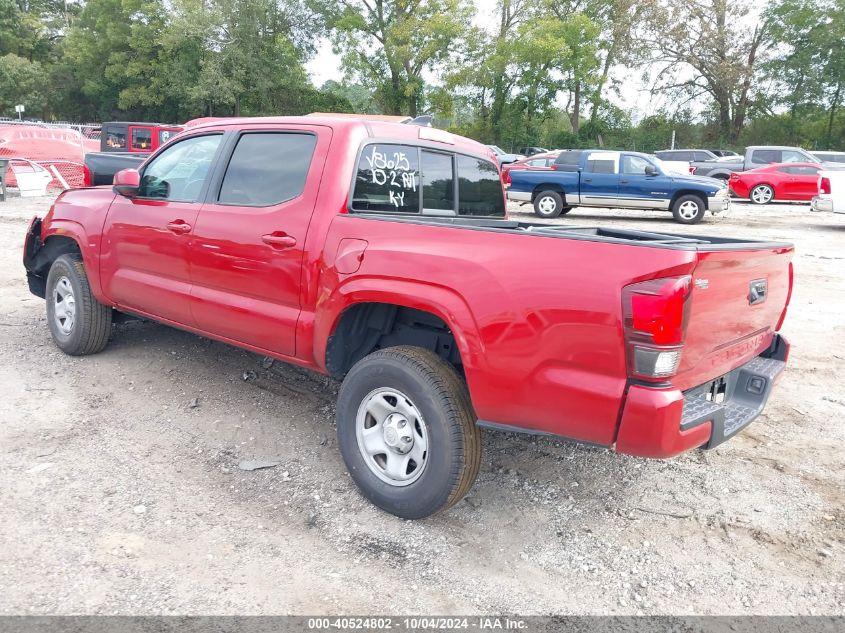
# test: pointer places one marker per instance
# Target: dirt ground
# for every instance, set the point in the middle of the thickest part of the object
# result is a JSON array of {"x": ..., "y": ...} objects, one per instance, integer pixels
[{"x": 122, "y": 491}]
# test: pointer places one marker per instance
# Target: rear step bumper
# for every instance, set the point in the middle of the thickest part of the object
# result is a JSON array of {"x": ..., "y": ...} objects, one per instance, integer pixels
[{"x": 666, "y": 422}]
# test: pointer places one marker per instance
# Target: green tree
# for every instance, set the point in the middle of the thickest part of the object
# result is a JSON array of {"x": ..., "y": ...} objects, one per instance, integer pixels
[
  {"x": 708, "y": 49},
  {"x": 22, "y": 82},
  {"x": 809, "y": 69},
  {"x": 388, "y": 45}
]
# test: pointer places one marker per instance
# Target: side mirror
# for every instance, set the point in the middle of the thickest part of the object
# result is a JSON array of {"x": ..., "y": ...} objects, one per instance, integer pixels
[
  {"x": 650, "y": 170},
  {"x": 127, "y": 182}
]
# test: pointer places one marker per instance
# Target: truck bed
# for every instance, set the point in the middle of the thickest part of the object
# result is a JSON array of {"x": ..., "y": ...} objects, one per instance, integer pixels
[{"x": 594, "y": 233}]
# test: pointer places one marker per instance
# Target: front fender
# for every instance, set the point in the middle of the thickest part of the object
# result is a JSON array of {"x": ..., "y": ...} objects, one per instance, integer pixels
[{"x": 88, "y": 247}]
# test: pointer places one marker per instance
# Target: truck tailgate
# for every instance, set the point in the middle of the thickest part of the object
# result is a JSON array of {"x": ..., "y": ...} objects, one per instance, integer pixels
[{"x": 737, "y": 302}]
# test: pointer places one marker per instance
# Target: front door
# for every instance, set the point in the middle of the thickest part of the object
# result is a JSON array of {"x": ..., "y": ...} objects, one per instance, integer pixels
[
  {"x": 246, "y": 259},
  {"x": 637, "y": 189},
  {"x": 600, "y": 179},
  {"x": 146, "y": 242}
]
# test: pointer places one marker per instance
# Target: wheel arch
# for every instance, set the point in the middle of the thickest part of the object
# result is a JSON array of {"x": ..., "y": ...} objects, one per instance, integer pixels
[
  {"x": 688, "y": 192},
  {"x": 552, "y": 186},
  {"x": 357, "y": 308}
]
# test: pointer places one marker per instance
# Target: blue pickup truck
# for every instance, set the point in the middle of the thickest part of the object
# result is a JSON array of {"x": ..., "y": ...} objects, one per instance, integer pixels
[{"x": 601, "y": 178}]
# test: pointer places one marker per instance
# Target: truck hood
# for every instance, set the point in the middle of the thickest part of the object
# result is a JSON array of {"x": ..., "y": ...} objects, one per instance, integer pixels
[{"x": 698, "y": 180}]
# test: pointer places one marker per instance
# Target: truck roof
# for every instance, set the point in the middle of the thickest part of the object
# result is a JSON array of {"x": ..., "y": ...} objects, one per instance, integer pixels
[{"x": 374, "y": 129}]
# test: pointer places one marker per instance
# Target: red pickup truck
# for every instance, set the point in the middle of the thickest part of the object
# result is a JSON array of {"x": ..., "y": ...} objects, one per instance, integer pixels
[{"x": 381, "y": 254}]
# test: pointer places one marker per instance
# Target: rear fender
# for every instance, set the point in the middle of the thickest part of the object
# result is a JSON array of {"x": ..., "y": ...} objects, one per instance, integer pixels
[{"x": 443, "y": 302}]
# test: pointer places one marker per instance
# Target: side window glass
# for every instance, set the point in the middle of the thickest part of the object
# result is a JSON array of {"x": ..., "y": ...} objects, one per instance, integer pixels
[
  {"x": 479, "y": 188},
  {"x": 142, "y": 138},
  {"x": 115, "y": 139},
  {"x": 634, "y": 165},
  {"x": 267, "y": 168},
  {"x": 601, "y": 166},
  {"x": 179, "y": 172},
  {"x": 165, "y": 135},
  {"x": 791, "y": 156},
  {"x": 387, "y": 179},
  {"x": 438, "y": 182},
  {"x": 765, "y": 156}
]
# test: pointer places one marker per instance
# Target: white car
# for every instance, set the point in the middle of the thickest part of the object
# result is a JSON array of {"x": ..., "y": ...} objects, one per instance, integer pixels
[
  {"x": 678, "y": 167},
  {"x": 831, "y": 192}
]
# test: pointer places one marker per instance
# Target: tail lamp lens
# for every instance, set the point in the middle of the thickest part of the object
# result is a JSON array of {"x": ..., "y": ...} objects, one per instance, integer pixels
[
  {"x": 824, "y": 185},
  {"x": 86, "y": 176},
  {"x": 655, "y": 314}
]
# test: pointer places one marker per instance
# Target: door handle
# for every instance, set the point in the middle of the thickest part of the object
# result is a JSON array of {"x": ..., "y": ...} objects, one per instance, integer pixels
[
  {"x": 624, "y": 182},
  {"x": 588, "y": 180},
  {"x": 279, "y": 239},
  {"x": 179, "y": 227}
]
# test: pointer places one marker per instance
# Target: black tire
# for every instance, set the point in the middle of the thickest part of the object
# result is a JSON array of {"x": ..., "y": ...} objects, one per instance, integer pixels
[
  {"x": 683, "y": 205},
  {"x": 91, "y": 324},
  {"x": 549, "y": 204},
  {"x": 766, "y": 194},
  {"x": 436, "y": 390}
]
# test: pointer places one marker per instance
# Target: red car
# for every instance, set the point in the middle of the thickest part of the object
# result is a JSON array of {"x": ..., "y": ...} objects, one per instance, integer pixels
[
  {"x": 538, "y": 162},
  {"x": 779, "y": 181},
  {"x": 380, "y": 254}
]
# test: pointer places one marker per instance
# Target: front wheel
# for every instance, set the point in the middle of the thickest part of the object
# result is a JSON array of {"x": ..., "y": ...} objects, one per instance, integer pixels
[
  {"x": 407, "y": 432},
  {"x": 549, "y": 204},
  {"x": 688, "y": 209},
  {"x": 762, "y": 194},
  {"x": 79, "y": 323}
]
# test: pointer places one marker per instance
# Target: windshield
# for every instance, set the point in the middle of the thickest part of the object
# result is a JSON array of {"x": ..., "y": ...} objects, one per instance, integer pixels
[{"x": 496, "y": 149}]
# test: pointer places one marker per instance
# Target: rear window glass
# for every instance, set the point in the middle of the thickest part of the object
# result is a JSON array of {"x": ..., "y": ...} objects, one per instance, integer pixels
[
  {"x": 267, "y": 168},
  {"x": 387, "y": 179},
  {"x": 479, "y": 188}
]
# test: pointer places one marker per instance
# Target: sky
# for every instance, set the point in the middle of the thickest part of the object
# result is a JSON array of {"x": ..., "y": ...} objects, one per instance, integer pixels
[{"x": 634, "y": 96}]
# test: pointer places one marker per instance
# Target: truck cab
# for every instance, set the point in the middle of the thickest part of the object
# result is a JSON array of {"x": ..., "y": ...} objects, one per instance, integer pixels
[{"x": 135, "y": 138}]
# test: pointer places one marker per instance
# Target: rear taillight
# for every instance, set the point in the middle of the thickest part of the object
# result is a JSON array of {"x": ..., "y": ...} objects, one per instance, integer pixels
[
  {"x": 734, "y": 176},
  {"x": 655, "y": 315},
  {"x": 506, "y": 177},
  {"x": 824, "y": 185},
  {"x": 86, "y": 176}
]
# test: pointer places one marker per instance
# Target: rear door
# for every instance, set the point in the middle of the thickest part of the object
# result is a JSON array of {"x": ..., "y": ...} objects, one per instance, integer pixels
[
  {"x": 146, "y": 239},
  {"x": 600, "y": 179},
  {"x": 246, "y": 258},
  {"x": 738, "y": 298}
]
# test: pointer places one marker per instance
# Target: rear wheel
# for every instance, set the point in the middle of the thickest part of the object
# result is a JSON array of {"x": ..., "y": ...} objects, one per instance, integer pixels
[
  {"x": 762, "y": 194},
  {"x": 688, "y": 209},
  {"x": 79, "y": 323},
  {"x": 407, "y": 431},
  {"x": 549, "y": 204}
]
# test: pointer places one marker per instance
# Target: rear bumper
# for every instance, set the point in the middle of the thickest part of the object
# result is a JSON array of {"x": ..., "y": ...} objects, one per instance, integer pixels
[
  {"x": 665, "y": 422},
  {"x": 822, "y": 203},
  {"x": 719, "y": 204}
]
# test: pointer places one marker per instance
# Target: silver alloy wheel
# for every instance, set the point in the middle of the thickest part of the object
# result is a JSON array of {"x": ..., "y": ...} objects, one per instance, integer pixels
[
  {"x": 64, "y": 306},
  {"x": 546, "y": 205},
  {"x": 392, "y": 436},
  {"x": 762, "y": 194},
  {"x": 688, "y": 210}
]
